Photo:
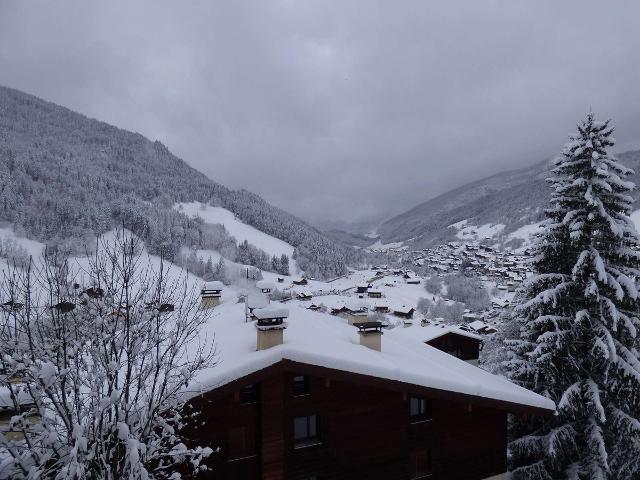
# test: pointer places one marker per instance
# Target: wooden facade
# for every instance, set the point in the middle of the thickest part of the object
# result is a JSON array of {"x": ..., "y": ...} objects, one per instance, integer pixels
[
  {"x": 460, "y": 346},
  {"x": 364, "y": 429}
]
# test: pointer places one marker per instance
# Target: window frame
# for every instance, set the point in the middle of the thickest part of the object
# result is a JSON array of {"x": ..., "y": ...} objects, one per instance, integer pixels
[
  {"x": 312, "y": 422},
  {"x": 300, "y": 389},
  {"x": 249, "y": 398},
  {"x": 424, "y": 410}
]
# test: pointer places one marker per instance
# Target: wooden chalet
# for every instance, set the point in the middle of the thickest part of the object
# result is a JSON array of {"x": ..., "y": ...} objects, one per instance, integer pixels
[
  {"x": 381, "y": 308},
  {"x": 300, "y": 281},
  {"x": 363, "y": 288},
  {"x": 403, "y": 311},
  {"x": 374, "y": 294},
  {"x": 464, "y": 347},
  {"x": 317, "y": 403},
  {"x": 304, "y": 296}
]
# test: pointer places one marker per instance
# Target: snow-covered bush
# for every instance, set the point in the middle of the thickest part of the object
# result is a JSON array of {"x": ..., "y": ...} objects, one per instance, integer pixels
[
  {"x": 433, "y": 284},
  {"x": 94, "y": 362},
  {"x": 423, "y": 306},
  {"x": 467, "y": 290},
  {"x": 448, "y": 310}
]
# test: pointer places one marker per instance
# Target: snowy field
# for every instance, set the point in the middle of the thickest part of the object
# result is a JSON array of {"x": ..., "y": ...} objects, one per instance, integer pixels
[{"x": 241, "y": 231}]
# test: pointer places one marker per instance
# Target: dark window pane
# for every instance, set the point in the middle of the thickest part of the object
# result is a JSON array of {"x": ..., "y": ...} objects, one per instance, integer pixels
[
  {"x": 415, "y": 407},
  {"x": 305, "y": 429},
  {"x": 420, "y": 408},
  {"x": 300, "y": 385},
  {"x": 312, "y": 426},
  {"x": 300, "y": 430},
  {"x": 250, "y": 393}
]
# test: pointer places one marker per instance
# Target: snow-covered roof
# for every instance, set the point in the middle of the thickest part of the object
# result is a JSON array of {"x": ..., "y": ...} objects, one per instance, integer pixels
[
  {"x": 477, "y": 325},
  {"x": 271, "y": 311},
  {"x": 257, "y": 301},
  {"x": 264, "y": 285},
  {"x": 318, "y": 339},
  {"x": 213, "y": 285},
  {"x": 402, "y": 308},
  {"x": 432, "y": 331}
]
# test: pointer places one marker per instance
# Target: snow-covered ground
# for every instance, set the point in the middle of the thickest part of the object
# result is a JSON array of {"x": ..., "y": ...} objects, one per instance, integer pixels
[
  {"x": 474, "y": 232},
  {"x": 378, "y": 246},
  {"x": 526, "y": 232},
  {"x": 32, "y": 247},
  {"x": 241, "y": 231}
]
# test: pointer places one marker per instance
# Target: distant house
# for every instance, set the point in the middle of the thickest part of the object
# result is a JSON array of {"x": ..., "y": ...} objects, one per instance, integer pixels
[
  {"x": 374, "y": 294},
  {"x": 264, "y": 286},
  {"x": 413, "y": 281},
  {"x": 304, "y": 296},
  {"x": 469, "y": 317},
  {"x": 457, "y": 342},
  {"x": 363, "y": 288},
  {"x": 381, "y": 308},
  {"x": 340, "y": 311},
  {"x": 210, "y": 294},
  {"x": 300, "y": 281},
  {"x": 479, "y": 326},
  {"x": 357, "y": 311},
  {"x": 403, "y": 311}
]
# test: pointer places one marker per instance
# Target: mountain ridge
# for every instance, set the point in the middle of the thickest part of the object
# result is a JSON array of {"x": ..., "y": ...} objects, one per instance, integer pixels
[
  {"x": 514, "y": 198},
  {"x": 65, "y": 176}
]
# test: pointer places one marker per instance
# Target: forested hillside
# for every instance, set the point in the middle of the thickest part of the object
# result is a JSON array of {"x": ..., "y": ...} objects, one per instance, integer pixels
[
  {"x": 65, "y": 177},
  {"x": 513, "y": 198}
]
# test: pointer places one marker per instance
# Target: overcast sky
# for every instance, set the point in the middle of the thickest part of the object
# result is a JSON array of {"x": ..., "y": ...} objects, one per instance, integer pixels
[{"x": 336, "y": 110}]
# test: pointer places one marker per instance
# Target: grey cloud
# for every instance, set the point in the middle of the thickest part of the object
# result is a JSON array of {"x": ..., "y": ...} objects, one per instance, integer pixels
[{"x": 335, "y": 110}]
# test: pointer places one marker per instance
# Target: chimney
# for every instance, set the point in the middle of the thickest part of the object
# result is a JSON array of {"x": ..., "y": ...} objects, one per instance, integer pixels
[
  {"x": 270, "y": 326},
  {"x": 370, "y": 335},
  {"x": 211, "y": 293}
]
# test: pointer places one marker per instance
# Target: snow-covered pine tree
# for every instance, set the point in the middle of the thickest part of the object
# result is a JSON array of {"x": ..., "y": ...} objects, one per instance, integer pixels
[{"x": 578, "y": 342}]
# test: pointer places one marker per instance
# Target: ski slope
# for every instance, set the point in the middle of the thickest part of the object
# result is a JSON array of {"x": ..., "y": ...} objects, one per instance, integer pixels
[{"x": 240, "y": 230}]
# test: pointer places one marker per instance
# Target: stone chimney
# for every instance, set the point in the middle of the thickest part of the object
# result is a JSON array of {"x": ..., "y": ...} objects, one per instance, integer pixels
[
  {"x": 270, "y": 326},
  {"x": 370, "y": 335},
  {"x": 211, "y": 294}
]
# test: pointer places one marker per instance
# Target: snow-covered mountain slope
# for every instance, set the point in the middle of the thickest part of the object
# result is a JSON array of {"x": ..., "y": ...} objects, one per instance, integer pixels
[
  {"x": 514, "y": 199},
  {"x": 238, "y": 229},
  {"x": 65, "y": 177}
]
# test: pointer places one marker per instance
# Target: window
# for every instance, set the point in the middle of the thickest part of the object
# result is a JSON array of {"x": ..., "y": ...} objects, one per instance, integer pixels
[
  {"x": 300, "y": 385},
  {"x": 250, "y": 393},
  {"x": 420, "y": 464},
  {"x": 305, "y": 431},
  {"x": 242, "y": 442},
  {"x": 420, "y": 409}
]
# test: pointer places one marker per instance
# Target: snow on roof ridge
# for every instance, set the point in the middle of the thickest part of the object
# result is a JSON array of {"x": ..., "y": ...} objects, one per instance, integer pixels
[{"x": 319, "y": 339}]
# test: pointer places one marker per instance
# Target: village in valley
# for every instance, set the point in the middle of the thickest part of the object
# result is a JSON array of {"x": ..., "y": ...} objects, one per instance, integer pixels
[{"x": 274, "y": 240}]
